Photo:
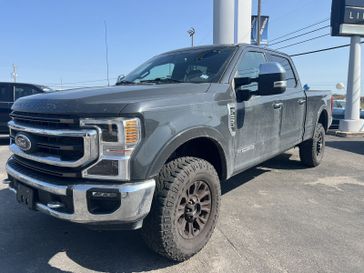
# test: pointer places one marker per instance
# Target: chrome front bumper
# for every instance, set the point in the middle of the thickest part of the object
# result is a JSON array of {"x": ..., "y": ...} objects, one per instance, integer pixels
[{"x": 135, "y": 198}]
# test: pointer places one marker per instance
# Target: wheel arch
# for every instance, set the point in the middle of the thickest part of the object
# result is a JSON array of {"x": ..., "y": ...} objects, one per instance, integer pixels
[
  {"x": 193, "y": 142},
  {"x": 323, "y": 118}
]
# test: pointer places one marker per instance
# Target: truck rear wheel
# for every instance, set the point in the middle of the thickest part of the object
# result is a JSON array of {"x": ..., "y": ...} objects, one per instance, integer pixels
[
  {"x": 185, "y": 208},
  {"x": 312, "y": 150}
]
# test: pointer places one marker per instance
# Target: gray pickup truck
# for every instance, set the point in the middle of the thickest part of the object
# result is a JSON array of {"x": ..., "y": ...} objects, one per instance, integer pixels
[{"x": 151, "y": 151}]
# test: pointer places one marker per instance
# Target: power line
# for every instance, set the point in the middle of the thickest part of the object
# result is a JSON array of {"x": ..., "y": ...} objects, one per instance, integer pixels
[
  {"x": 302, "y": 42},
  {"x": 299, "y": 30},
  {"x": 321, "y": 50},
  {"x": 300, "y": 35}
]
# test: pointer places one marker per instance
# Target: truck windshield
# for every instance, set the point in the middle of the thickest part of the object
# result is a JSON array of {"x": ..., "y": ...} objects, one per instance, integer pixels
[{"x": 189, "y": 66}]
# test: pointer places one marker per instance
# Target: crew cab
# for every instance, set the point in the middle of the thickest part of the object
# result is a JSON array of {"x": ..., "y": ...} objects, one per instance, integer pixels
[
  {"x": 152, "y": 151},
  {"x": 11, "y": 91}
]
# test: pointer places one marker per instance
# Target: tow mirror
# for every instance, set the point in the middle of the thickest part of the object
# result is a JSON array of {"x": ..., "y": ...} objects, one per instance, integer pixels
[{"x": 270, "y": 81}]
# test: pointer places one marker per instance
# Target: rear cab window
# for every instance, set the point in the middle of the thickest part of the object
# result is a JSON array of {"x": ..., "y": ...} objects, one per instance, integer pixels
[{"x": 286, "y": 63}]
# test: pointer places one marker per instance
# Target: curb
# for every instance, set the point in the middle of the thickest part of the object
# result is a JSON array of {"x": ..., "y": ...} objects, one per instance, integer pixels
[{"x": 345, "y": 134}]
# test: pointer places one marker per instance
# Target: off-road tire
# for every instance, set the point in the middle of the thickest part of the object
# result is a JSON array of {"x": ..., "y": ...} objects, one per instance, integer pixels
[
  {"x": 162, "y": 227},
  {"x": 312, "y": 150}
]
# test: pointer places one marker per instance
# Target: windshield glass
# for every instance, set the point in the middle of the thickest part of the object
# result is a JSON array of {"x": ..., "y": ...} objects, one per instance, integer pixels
[{"x": 190, "y": 66}]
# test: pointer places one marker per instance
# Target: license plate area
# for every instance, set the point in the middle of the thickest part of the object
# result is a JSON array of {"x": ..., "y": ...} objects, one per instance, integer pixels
[{"x": 25, "y": 196}]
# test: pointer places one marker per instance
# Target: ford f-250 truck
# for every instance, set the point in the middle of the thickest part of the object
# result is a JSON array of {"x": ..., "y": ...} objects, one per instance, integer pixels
[{"x": 151, "y": 151}]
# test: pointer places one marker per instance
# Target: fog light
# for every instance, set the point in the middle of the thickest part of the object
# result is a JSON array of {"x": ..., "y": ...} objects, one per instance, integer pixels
[{"x": 103, "y": 201}]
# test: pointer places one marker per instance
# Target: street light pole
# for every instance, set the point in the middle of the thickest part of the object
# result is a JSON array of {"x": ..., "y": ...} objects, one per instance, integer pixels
[
  {"x": 259, "y": 22},
  {"x": 191, "y": 32},
  {"x": 106, "y": 54},
  {"x": 14, "y": 74}
]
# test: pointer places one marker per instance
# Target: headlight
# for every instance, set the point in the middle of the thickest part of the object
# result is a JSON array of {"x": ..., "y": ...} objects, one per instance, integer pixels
[{"x": 117, "y": 141}]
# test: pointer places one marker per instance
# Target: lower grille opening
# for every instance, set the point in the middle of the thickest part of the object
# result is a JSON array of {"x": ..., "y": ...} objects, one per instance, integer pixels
[{"x": 47, "y": 169}]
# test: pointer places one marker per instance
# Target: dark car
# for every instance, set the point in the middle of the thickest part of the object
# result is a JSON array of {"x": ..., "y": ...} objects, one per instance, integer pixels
[
  {"x": 338, "y": 113},
  {"x": 10, "y": 92}
]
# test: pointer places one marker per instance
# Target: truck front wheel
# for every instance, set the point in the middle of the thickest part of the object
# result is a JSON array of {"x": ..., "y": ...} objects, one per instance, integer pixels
[
  {"x": 185, "y": 208},
  {"x": 312, "y": 150}
]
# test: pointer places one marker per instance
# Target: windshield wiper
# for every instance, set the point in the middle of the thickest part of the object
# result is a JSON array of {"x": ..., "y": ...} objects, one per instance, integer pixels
[
  {"x": 125, "y": 83},
  {"x": 161, "y": 80}
]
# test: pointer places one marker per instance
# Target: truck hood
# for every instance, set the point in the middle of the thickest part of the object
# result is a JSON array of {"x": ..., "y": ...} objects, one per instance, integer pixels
[{"x": 103, "y": 101}]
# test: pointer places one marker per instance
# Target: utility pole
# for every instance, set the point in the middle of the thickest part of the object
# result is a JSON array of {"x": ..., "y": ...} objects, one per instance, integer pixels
[
  {"x": 259, "y": 38},
  {"x": 14, "y": 74},
  {"x": 106, "y": 54},
  {"x": 191, "y": 32}
]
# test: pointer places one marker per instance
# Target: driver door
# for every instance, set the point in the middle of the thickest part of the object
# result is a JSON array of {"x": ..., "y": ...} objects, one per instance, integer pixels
[{"x": 258, "y": 119}]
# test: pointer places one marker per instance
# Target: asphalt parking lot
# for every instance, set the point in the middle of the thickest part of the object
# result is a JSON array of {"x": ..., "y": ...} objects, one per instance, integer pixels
[{"x": 277, "y": 217}]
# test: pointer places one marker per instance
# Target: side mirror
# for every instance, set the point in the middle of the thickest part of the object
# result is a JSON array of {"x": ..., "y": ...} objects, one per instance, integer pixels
[{"x": 272, "y": 79}]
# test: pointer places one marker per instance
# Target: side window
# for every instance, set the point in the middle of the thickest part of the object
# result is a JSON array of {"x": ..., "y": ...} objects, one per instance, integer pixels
[
  {"x": 249, "y": 67},
  {"x": 249, "y": 64},
  {"x": 6, "y": 93},
  {"x": 291, "y": 78},
  {"x": 25, "y": 90}
]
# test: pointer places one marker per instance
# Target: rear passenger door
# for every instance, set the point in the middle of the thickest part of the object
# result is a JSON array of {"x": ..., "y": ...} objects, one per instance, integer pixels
[
  {"x": 6, "y": 101},
  {"x": 294, "y": 105}
]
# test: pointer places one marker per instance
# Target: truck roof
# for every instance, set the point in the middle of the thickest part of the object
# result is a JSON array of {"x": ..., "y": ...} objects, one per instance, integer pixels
[{"x": 206, "y": 47}]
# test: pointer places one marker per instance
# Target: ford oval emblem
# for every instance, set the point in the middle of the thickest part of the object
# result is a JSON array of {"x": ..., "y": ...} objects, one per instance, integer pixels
[{"x": 23, "y": 142}]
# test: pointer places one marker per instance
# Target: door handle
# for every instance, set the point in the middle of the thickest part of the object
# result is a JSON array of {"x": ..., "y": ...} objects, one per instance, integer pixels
[
  {"x": 301, "y": 101},
  {"x": 277, "y": 105}
]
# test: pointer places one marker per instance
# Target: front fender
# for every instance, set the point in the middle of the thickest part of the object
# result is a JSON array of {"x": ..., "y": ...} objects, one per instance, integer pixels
[{"x": 153, "y": 168}]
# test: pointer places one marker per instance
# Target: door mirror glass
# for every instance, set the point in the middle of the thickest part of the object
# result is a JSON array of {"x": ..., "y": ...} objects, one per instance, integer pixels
[{"x": 272, "y": 79}]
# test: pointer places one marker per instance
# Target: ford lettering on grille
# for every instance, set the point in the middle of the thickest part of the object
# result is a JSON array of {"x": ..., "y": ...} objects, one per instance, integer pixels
[{"x": 23, "y": 142}]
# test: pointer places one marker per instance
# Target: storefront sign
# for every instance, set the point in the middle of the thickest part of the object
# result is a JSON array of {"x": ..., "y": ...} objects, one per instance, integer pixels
[{"x": 347, "y": 17}]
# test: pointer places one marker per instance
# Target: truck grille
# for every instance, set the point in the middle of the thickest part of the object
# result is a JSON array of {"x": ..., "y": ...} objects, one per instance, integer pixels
[
  {"x": 58, "y": 142},
  {"x": 45, "y": 121}
]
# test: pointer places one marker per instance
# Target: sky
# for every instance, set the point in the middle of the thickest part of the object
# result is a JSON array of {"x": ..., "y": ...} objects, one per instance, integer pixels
[{"x": 54, "y": 42}]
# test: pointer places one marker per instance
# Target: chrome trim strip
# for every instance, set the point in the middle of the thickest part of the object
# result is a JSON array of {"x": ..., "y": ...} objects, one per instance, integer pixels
[
  {"x": 47, "y": 132},
  {"x": 280, "y": 84},
  {"x": 90, "y": 146},
  {"x": 136, "y": 199}
]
